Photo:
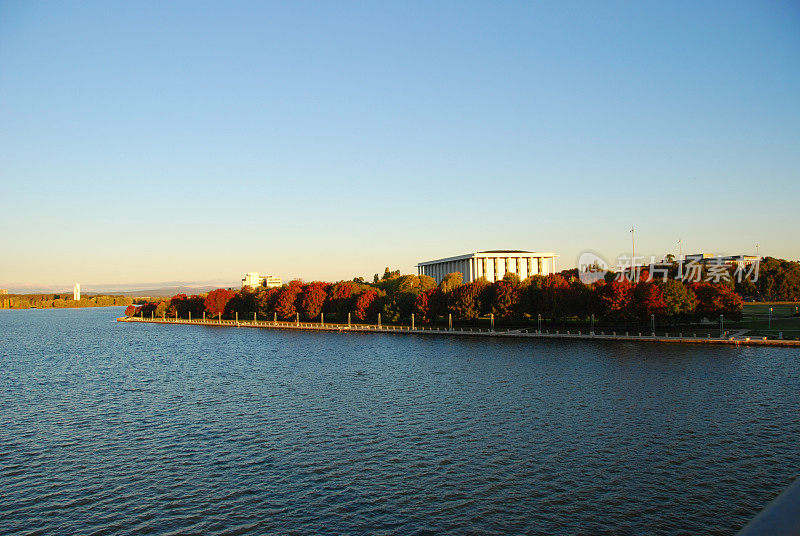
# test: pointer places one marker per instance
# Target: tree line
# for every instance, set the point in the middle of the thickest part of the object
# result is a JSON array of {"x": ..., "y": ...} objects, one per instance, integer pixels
[
  {"x": 395, "y": 297},
  {"x": 59, "y": 301}
]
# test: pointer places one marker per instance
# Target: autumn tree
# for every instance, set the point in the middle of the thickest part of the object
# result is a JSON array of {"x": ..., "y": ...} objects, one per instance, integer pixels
[
  {"x": 367, "y": 305},
  {"x": 429, "y": 304},
  {"x": 715, "y": 299},
  {"x": 312, "y": 299},
  {"x": 616, "y": 298},
  {"x": 266, "y": 301},
  {"x": 647, "y": 300},
  {"x": 217, "y": 300},
  {"x": 463, "y": 302},
  {"x": 506, "y": 297},
  {"x": 342, "y": 297},
  {"x": 451, "y": 281},
  {"x": 286, "y": 301}
]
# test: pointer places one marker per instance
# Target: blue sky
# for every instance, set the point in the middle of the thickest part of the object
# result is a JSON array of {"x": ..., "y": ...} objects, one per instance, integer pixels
[{"x": 192, "y": 141}]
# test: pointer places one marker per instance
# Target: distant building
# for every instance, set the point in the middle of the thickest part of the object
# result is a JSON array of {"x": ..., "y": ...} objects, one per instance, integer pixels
[
  {"x": 76, "y": 292},
  {"x": 732, "y": 260},
  {"x": 253, "y": 280},
  {"x": 492, "y": 265}
]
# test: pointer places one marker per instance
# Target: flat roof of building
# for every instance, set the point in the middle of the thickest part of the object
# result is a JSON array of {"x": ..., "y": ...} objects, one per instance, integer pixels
[{"x": 493, "y": 253}]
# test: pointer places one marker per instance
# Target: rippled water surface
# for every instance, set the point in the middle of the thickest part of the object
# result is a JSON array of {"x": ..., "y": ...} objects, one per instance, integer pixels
[{"x": 139, "y": 428}]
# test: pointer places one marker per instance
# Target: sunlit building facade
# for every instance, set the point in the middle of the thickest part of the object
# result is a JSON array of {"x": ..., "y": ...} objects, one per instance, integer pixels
[
  {"x": 254, "y": 280},
  {"x": 492, "y": 265}
]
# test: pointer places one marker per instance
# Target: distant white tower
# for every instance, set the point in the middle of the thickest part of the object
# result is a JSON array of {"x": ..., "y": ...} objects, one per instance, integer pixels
[{"x": 76, "y": 292}]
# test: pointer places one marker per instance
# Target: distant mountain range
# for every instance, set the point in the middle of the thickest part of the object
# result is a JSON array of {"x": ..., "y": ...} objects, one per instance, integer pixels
[
  {"x": 163, "y": 292},
  {"x": 154, "y": 290}
]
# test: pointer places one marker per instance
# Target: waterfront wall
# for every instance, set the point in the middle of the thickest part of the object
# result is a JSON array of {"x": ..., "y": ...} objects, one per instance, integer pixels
[{"x": 527, "y": 333}]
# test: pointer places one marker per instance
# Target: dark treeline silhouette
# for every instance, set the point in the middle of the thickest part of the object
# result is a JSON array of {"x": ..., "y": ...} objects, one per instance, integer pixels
[{"x": 557, "y": 298}]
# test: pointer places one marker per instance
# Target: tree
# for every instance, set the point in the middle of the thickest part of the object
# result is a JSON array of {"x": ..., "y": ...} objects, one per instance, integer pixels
[
  {"x": 506, "y": 297},
  {"x": 647, "y": 300},
  {"x": 715, "y": 299},
  {"x": 429, "y": 305},
  {"x": 616, "y": 298},
  {"x": 178, "y": 304},
  {"x": 679, "y": 301},
  {"x": 217, "y": 300},
  {"x": 368, "y": 305},
  {"x": 131, "y": 310},
  {"x": 312, "y": 299},
  {"x": 463, "y": 302},
  {"x": 286, "y": 301},
  {"x": 161, "y": 309},
  {"x": 243, "y": 303},
  {"x": 266, "y": 301},
  {"x": 555, "y": 296},
  {"x": 342, "y": 297},
  {"x": 451, "y": 281}
]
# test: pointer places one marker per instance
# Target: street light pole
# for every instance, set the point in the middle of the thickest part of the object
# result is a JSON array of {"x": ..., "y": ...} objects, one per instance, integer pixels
[
  {"x": 680, "y": 259},
  {"x": 633, "y": 253}
]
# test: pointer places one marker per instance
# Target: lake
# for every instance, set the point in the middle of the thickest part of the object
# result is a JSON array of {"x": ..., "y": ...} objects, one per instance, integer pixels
[{"x": 143, "y": 428}]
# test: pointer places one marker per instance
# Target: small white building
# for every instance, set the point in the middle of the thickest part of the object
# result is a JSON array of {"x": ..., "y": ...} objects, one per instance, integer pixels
[
  {"x": 253, "y": 280},
  {"x": 492, "y": 265},
  {"x": 76, "y": 292}
]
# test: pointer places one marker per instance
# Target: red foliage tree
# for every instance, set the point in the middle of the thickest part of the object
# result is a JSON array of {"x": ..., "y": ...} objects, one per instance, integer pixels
[
  {"x": 312, "y": 299},
  {"x": 131, "y": 310},
  {"x": 555, "y": 296},
  {"x": 216, "y": 301},
  {"x": 286, "y": 301},
  {"x": 464, "y": 301},
  {"x": 429, "y": 305},
  {"x": 341, "y": 298},
  {"x": 716, "y": 299},
  {"x": 505, "y": 298},
  {"x": 647, "y": 300},
  {"x": 616, "y": 298},
  {"x": 367, "y": 305}
]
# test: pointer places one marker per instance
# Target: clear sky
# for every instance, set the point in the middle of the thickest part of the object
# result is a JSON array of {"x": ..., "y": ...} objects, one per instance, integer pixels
[{"x": 189, "y": 141}]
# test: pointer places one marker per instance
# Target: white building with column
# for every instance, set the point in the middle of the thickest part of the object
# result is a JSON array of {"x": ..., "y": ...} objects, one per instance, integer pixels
[
  {"x": 254, "y": 280},
  {"x": 492, "y": 265}
]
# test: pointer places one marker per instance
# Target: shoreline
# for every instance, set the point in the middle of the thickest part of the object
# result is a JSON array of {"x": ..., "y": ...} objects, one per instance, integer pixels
[{"x": 526, "y": 333}]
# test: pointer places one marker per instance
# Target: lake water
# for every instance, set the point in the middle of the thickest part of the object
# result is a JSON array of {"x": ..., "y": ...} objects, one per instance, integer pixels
[{"x": 142, "y": 428}]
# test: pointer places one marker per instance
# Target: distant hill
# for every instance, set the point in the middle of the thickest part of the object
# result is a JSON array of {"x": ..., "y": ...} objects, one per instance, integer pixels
[{"x": 163, "y": 292}]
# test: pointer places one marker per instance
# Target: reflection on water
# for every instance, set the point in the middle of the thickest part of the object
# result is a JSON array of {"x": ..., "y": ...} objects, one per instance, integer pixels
[{"x": 115, "y": 427}]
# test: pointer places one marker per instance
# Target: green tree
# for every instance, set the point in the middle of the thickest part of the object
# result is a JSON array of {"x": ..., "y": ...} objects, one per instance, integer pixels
[{"x": 451, "y": 281}]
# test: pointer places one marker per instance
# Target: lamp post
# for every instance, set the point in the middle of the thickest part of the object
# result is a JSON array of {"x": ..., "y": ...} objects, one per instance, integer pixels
[
  {"x": 491, "y": 317},
  {"x": 592, "y": 323},
  {"x": 721, "y": 326},
  {"x": 653, "y": 325},
  {"x": 633, "y": 254},
  {"x": 539, "y": 319},
  {"x": 680, "y": 259},
  {"x": 769, "y": 323}
]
